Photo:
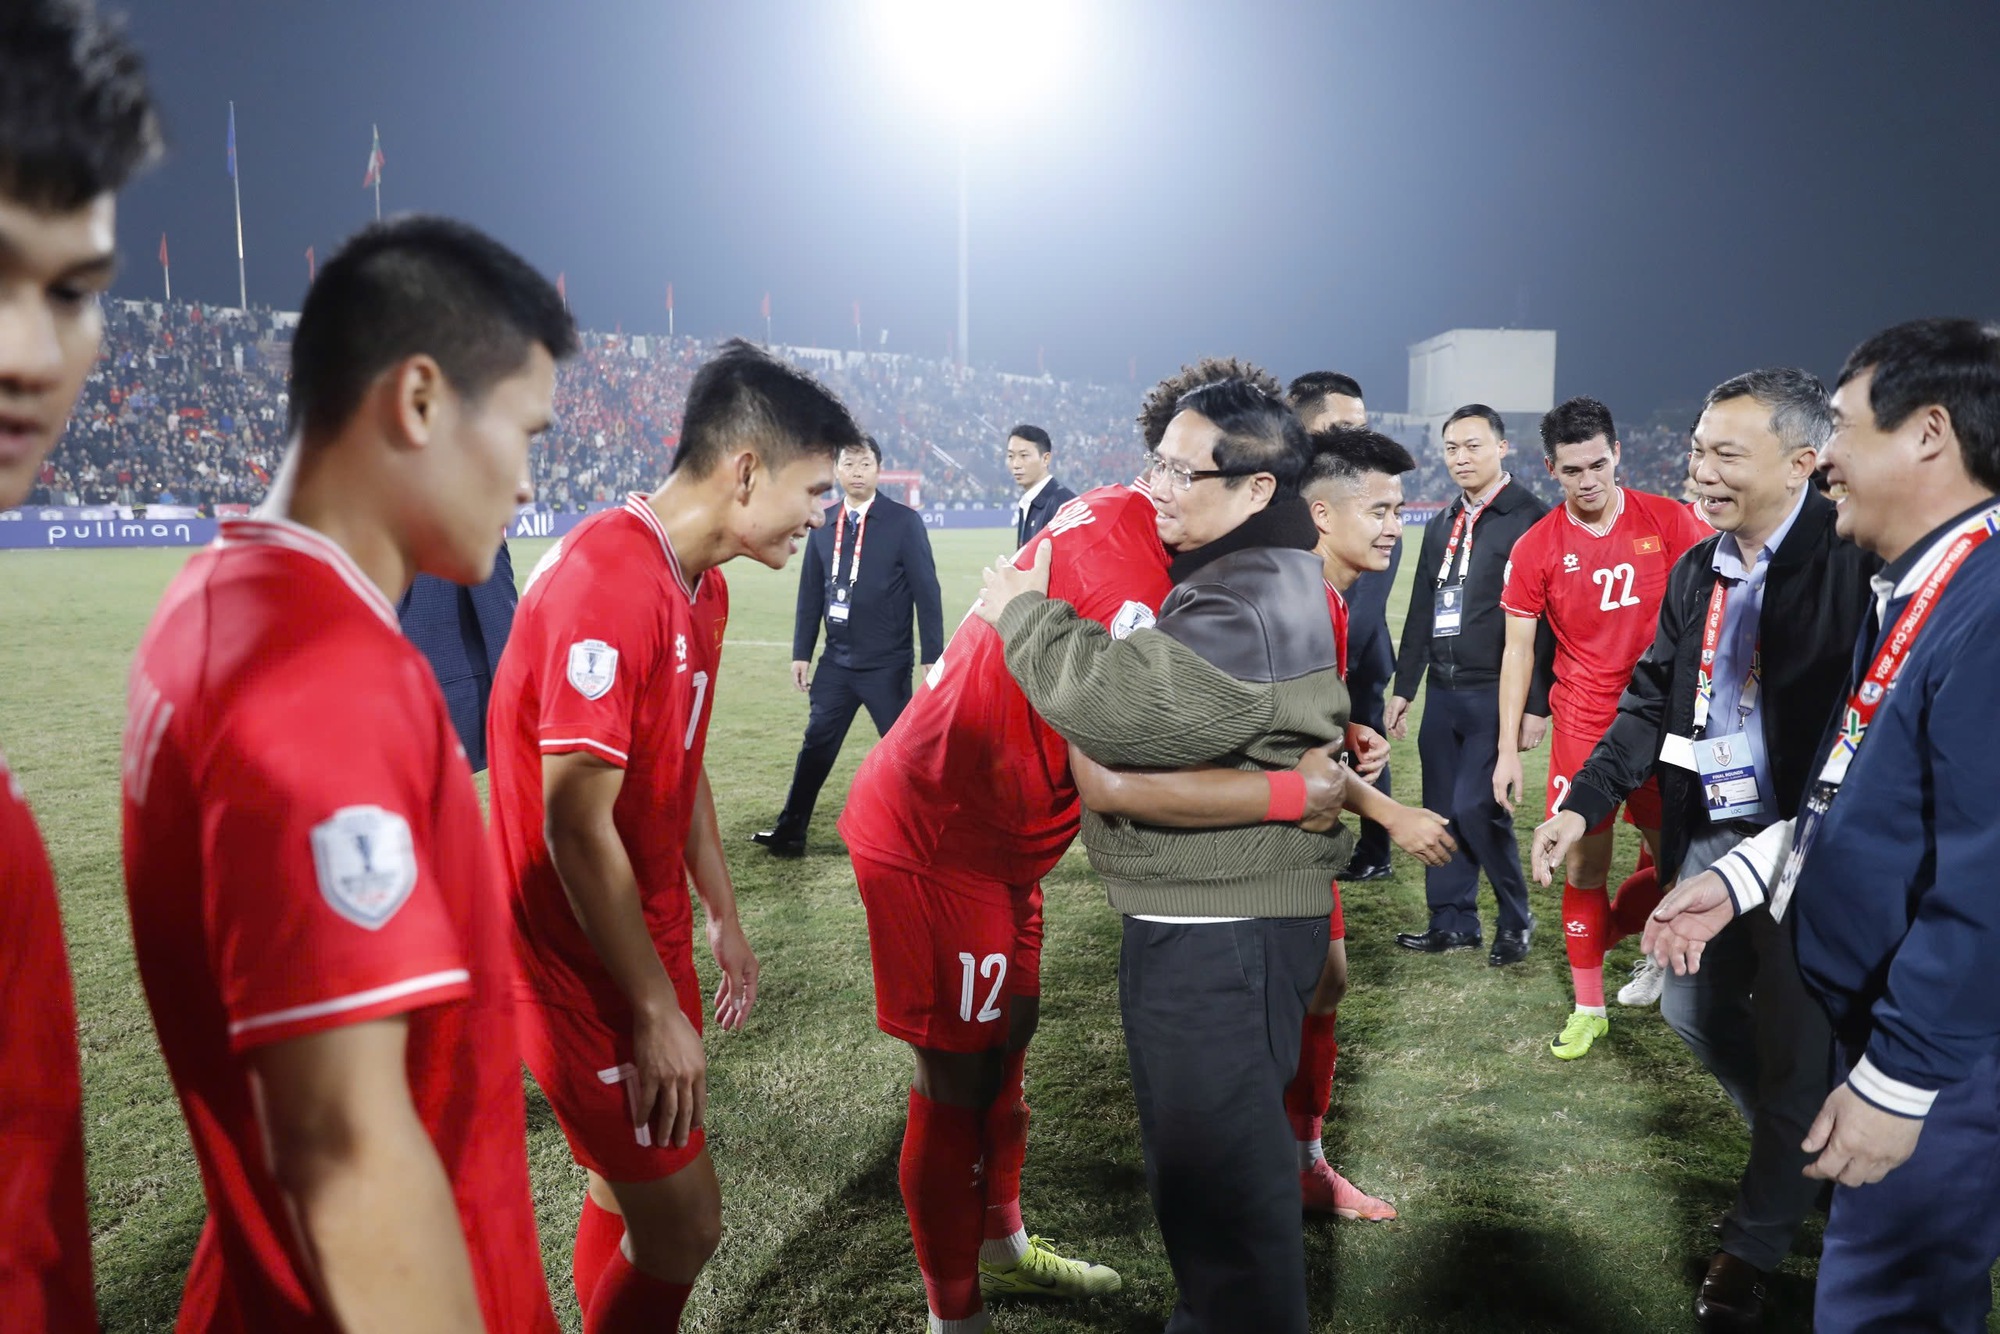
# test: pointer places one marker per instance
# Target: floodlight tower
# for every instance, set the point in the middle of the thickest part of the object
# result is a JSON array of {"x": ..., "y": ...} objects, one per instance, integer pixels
[{"x": 966, "y": 55}]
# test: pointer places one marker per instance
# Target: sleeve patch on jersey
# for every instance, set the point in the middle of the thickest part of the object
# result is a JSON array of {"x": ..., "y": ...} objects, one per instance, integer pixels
[
  {"x": 1132, "y": 616},
  {"x": 1646, "y": 546},
  {"x": 593, "y": 666},
  {"x": 367, "y": 865}
]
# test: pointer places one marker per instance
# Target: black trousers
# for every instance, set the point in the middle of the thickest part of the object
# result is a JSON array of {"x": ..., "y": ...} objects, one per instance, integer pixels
[
  {"x": 1371, "y": 848},
  {"x": 1212, "y": 1018},
  {"x": 1457, "y": 744},
  {"x": 1750, "y": 1020},
  {"x": 837, "y": 694}
]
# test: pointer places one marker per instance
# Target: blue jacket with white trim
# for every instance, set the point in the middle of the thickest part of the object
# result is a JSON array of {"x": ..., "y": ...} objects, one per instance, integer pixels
[{"x": 1897, "y": 908}]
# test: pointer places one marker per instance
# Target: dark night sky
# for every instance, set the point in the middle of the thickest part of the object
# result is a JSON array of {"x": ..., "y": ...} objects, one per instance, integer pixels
[{"x": 1682, "y": 190}]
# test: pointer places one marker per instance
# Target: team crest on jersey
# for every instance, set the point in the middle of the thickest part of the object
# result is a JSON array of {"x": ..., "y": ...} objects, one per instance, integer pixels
[
  {"x": 1570, "y": 562},
  {"x": 593, "y": 666},
  {"x": 366, "y": 863},
  {"x": 1132, "y": 616}
]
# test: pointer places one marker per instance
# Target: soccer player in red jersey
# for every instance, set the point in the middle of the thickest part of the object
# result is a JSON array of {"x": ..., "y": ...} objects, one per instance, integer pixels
[
  {"x": 1354, "y": 487},
  {"x": 1595, "y": 567},
  {"x": 602, "y": 814},
  {"x": 76, "y": 121},
  {"x": 318, "y": 924},
  {"x": 952, "y": 821}
]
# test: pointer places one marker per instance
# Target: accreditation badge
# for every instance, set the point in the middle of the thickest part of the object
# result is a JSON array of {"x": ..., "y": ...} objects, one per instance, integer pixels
[
  {"x": 837, "y": 610},
  {"x": 1448, "y": 612},
  {"x": 1728, "y": 777}
]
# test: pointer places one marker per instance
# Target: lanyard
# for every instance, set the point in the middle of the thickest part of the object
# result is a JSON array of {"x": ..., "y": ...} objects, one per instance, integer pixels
[
  {"x": 1704, "y": 680},
  {"x": 840, "y": 532},
  {"x": 1461, "y": 527},
  {"x": 1868, "y": 698},
  {"x": 1894, "y": 654}
]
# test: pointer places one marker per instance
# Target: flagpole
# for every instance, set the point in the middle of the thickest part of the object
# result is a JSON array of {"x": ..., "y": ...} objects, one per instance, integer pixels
[{"x": 236, "y": 184}]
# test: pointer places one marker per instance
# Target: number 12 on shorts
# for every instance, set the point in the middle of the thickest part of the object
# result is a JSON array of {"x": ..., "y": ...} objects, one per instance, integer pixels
[{"x": 993, "y": 966}]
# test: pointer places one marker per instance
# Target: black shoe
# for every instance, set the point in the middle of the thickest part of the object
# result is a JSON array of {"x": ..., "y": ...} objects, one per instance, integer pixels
[
  {"x": 1438, "y": 942},
  {"x": 1731, "y": 1296},
  {"x": 779, "y": 845},
  {"x": 1373, "y": 871},
  {"x": 1511, "y": 946}
]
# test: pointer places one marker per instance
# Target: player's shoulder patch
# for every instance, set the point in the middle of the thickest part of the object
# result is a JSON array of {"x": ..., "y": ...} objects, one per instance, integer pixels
[
  {"x": 593, "y": 666},
  {"x": 1074, "y": 514},
  {"x": 1132, "y": 616},
  {"x": 366, "y": 863}
]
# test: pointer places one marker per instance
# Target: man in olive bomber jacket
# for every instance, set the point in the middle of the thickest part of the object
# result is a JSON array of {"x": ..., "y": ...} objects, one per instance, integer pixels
[{"x": 1225, "y": 929}]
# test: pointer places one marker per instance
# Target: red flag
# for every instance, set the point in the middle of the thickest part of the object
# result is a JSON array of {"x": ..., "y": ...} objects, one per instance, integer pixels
[
  {"x": 312, "y": 267},
  {"x": 562, "y": 289},
  {"x": 670, "y": 297},
  {"x": 767, "y": 305},
  {"x": 163, "y": 250},
  {"x": 375, "y": 160}
]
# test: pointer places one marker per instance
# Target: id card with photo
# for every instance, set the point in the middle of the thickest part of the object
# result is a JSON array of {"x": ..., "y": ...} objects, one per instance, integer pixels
[
  {"x": 1728, "y": 777},
  {"x": 1448, "y": 612},
  {"x": 836, "y": 613}
]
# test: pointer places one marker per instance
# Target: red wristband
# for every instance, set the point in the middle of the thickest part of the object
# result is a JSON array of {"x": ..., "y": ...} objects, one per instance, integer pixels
[{"x": 1288, "y": 796}]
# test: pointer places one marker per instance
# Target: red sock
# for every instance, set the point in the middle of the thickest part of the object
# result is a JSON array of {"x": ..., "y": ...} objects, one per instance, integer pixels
[
  {"x": 1586, "y": 914},
  {"x": 1006, "y": 1150},
  {"x": 1637, "y": 898},
  {"x": 1311, "y": 1089},
  {"x": 941, "y": 1175},
  {"x": 598, "y": 1233},
  {"x": 630, "y": 1301}
]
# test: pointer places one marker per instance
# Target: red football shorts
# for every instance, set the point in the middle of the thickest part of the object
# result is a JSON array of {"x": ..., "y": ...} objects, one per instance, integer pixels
[
  {"x": 1336, "y": 924},
  {"x": 1568, "y": 754},
  {"x": 949, "y": 953},
  {"x": 570, "y": 1051}
]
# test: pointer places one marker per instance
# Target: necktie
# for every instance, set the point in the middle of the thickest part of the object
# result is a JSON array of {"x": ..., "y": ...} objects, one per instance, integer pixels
[{"x": 854, "y": 525}]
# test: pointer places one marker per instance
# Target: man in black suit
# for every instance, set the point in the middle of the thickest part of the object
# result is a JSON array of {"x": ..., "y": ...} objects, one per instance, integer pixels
[
  {"x": 1028, "y": 451},
  {"x": 865, "y": 570},
  {"x": 461, "y": 631},
  {"x": 1325, "y": 399}
]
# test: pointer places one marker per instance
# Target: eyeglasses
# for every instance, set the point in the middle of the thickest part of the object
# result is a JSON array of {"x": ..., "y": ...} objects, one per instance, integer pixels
[{"x": 1179, "y": 474}]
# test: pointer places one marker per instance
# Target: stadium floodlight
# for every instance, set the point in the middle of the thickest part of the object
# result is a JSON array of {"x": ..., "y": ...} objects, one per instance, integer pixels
[{"x": 977, "y": 59}]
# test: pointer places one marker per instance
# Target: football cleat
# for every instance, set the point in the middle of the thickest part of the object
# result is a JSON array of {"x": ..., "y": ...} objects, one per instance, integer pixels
[
  {"x": 1577, "y": 1035},
  {"x": 1043, "y": 1273},
  {"x": 1647, "y": 980},
  {"x": 1326, "y": 1191}
]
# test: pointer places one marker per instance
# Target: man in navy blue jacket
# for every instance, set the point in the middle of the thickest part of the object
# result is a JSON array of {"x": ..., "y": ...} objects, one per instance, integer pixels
[
  {"x": 1886, "y": 875},
  {"x": 460, "y": 632},
  {"x": 866, "y": 569}
]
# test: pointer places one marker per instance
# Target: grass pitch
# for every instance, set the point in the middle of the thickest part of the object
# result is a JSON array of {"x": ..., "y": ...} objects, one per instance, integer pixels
[{"x": 1535, "y": 1194}]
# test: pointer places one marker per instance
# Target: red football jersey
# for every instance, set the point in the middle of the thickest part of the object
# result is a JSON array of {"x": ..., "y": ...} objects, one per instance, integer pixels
[
  {"x": 1601, "y": 595},
  {"x": 970, "y": 776},
  {"x": 303, "y": 850},
  {"x": 615, "y": 653},
  {"x": 44, "y": 1221}
]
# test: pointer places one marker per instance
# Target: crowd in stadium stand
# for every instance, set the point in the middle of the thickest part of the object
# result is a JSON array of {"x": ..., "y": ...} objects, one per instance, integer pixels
[{"x": 188, "y": 406}]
